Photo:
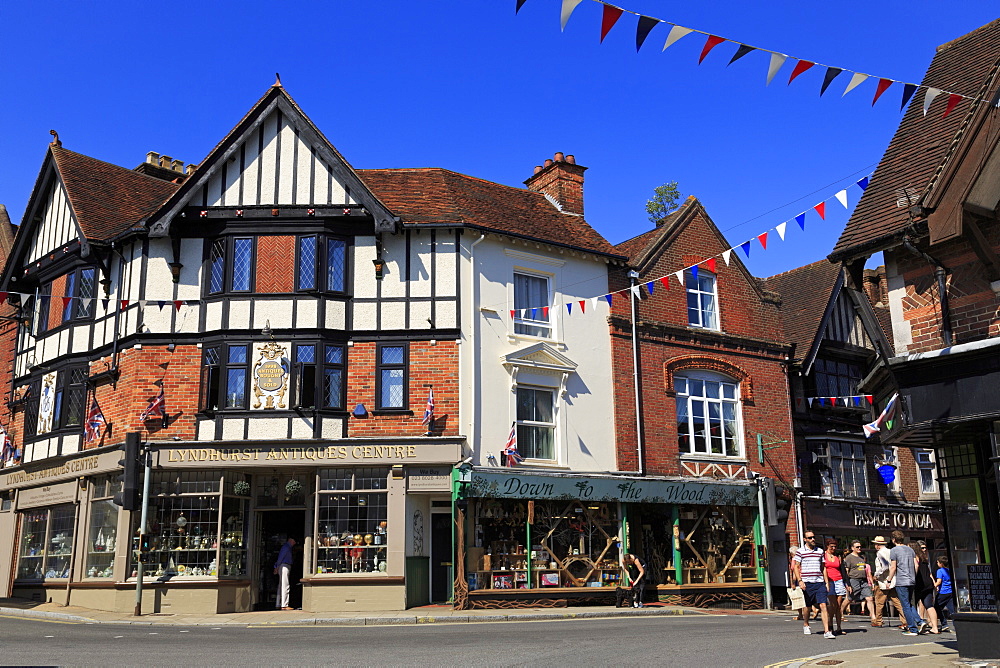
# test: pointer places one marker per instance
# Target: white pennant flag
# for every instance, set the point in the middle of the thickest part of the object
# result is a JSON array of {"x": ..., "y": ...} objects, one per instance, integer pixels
[
  {"x": 594, "y": 302},
  {"x": 680, "y": 276},
  {"x": 855, "y": 81},
  {"x": 141, "y": 303},
  {"x": 777, "y": 60},
  {"x": 810, "y": 400},
  {"x": 929, "y": 97},
  {"x": 675, "y": 34},
  {"x": 86, "y": 304},
  {"x": 726, "y": 254},
  {"x": 636, "y": 292},
  {"x": 567, "y": 8},
  {"x": 842, "y": 197},
  {"x": 780, "y": 229}
]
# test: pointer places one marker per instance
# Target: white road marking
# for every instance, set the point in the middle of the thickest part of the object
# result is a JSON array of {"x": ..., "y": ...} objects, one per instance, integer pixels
[
  {"x": 119, "y": 636},
  {"x": 185, "y": 632},
  {"x": 48, "y": 636}
]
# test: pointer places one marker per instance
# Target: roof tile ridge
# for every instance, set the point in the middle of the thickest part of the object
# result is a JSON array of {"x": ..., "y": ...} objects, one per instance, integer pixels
[
  {"x": 802, "y": 268},
  {"x": 954, "y": 42}
]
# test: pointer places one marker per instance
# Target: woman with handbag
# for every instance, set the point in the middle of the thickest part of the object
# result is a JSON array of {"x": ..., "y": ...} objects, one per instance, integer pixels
[{"x": 835, "y": 588}]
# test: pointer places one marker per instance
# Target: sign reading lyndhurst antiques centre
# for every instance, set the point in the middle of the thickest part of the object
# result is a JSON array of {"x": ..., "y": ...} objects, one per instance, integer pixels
[
  {"x": 507, "y": 486},
  {"x": 321, "y": 454}
]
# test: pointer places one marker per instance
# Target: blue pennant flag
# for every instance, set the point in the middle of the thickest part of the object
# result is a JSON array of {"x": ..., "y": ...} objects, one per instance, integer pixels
[
  {"x": 863, "y": 183},
  {"x": 746, "y": 248},
  {"x": 801, "y": 220}
]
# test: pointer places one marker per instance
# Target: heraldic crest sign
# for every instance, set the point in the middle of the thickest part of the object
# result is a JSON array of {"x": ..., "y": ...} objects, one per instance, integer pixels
[{"x": 270, "y": 375}]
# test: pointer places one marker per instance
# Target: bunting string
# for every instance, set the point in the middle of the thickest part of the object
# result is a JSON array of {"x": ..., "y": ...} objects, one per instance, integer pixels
[
  {"x": 854, "y": 400},
  {"x": 612, "y": 13},
  {"x": 580, "y": 306}
]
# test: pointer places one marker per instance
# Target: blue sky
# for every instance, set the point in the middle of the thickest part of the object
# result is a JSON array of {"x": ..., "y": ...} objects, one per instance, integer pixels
[{"x": 470, "y": 86}]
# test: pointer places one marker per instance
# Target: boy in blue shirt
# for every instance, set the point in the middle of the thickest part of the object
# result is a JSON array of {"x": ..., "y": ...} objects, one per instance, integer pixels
[{"x": 944, "y": 601}]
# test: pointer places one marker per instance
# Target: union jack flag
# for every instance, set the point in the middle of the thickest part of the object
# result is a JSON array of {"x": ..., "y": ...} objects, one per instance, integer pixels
[
  {"x": 510, "y": 448},
  {"x": 875, "y": 427},
  {"x": 157, "y": 407},
  {"x": 7, "y": 450},
  {"x": 96, "y": 424},
  {"x": 429, "y": 411}
]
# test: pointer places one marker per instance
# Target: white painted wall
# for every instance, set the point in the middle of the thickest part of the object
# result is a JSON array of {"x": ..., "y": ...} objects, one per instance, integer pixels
[
  {"x": 585, "y": 434},
  {"x": 902, "y": 335}
]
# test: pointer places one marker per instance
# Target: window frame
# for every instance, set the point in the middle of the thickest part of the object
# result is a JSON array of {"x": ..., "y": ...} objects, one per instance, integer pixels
[
  {"x": 836, "y": 465},
  {"x": 930, "y": 464},
  {"x": 523, "y": 425},
  {"x": 705, "y": 376},
  {"x": 320, "y": 366},
  {"x": 697, "y": 292},
  {"x": 380, "y": 367},
  {"x": 322, "y": 267},
  {"x": 524, "y": 322},
  {"x": 222, "y": 249}
]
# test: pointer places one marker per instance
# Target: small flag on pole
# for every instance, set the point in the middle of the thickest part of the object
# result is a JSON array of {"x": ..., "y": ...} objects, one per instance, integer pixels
[
  {"x": 510, "y": 448},
  {"x": 429, "y": 411},
  {"x": 157, "y": 407},
  {"x": 875, "y": 427},
  {"x": 96, "y": 424}
]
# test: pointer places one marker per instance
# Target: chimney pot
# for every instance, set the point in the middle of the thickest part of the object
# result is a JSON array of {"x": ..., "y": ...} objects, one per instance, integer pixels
[
  {"x": 165, "y": 161},
  {"x": 153, "y": 158},
  {"x": 177, "y": 165},
  {"x": 548, "y": 162},
  {"x": 190, "y": 168},
  {"x": 571, "y": 159},
  {"x": 538, "y": 168},
  {"x": 559, "y": 156}
]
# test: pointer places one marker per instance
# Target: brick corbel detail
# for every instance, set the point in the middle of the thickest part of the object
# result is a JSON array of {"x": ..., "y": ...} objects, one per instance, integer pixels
[{"x": 706, "y": 363}]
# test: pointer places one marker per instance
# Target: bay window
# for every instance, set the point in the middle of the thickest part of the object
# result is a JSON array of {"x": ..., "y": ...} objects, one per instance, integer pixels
[
  {"x": 708, "y": 414},
  {"x": 320, "y": 372},
  {"x": 322, "y": 264}
]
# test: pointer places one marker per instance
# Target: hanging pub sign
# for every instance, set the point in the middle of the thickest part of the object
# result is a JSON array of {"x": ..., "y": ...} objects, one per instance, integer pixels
[{"x": 270, "y": 375}]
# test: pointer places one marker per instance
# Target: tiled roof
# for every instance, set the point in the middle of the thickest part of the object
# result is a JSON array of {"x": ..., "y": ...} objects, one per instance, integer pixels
[
  {"x": 805, "y": 293},
  {"x": 108, "y": 199},
  {"x": 636, "y": 245},
  {"x": 433, "y": 195},
  {"x": 921, "y": 143}
]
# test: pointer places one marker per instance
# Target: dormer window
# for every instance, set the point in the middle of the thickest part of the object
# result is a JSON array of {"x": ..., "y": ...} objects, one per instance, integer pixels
[
  {"x": 531, "y": 301},
  {"x": 702, "y": 301}
]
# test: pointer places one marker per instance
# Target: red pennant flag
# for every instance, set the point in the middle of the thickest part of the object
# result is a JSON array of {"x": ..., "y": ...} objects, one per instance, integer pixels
[
  {"x": 953, "y": 99},
  {"x": 3, "y": 298},
  {"x": 583, "y": 306},
  {"x": 66, "y": 301},
  {"x": 710, "y": 44},
  {"x": 800, "y": 67},
  {"x": 666, "y": 283},
  {"x": 710, "y": 263},
  {"x": 611, "y": 16},
  {"x": 178, "y": 303},
  {"x": 869, "y": 398},
  {"x": 124, "y": 304},
  {"x": 512, "y": 314},
  {"x": 762, "y": 238},
  {"x": 798, "y": 401},
  {"x": 821, "y": 210},
  {"x": 545, "y": 312},
  {"x": 883, "y": 85}
]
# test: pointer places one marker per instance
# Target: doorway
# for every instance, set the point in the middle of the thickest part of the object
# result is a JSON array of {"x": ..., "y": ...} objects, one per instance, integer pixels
[
  {"x": 275, "y": 527},
  {"x": 441, "y": 564}
]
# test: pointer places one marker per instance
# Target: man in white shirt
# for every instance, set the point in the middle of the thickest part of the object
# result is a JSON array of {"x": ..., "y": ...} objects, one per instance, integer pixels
[
  {"x": 882, "y": 563},
  {"x": 807, "y": 567}
]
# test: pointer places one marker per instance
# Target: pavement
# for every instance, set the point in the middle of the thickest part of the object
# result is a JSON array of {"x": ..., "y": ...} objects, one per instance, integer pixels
[
  {"x": 432, "y": 614},
  {"x": 918, "y": 655}
]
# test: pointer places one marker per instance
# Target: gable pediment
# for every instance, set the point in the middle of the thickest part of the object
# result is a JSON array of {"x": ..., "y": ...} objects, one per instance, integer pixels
[
  {"x": 540, "y": 357},
  {"x": 274, "y": 157}
]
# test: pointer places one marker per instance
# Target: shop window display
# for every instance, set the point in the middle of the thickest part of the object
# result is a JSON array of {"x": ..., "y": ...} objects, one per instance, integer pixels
[
  {"x": 528, "y": 544},
  {"x": 352, "y": 520},
  {"x": 46, "y": 546},
  {"x": 717, "y": 544},
  {"x": 194, "y": 530},
  {"x": 103, "y": 536}
]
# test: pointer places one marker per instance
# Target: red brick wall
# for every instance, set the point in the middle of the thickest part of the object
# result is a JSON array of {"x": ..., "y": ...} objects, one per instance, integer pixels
[
  {"x": 429, "y": 364},
  {"x": 751, "y": 344},
  {"x": 56, "y": 302},
  {"x": 972, "y": 305},
  {"x": 275, "y": 264}
]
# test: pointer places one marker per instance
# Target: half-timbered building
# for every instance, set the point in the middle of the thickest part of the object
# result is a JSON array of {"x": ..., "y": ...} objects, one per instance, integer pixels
[{"x": 307, "y": 351}]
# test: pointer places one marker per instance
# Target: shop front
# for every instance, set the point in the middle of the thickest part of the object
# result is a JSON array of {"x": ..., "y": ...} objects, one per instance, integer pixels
[
  {"x": 218, "y": 516},
  {"x": 536, "y": 539},
  {"x": 847, "y": 521}
]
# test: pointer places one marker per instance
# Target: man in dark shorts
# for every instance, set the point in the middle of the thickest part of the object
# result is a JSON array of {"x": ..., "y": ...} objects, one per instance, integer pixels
[
  {"x": 859, "y": 578},
  {"x": 808, "y": 566}
]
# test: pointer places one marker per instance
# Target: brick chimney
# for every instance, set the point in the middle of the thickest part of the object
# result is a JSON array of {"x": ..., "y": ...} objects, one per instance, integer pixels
[
  {"x": 164, "y": 167},
  {"x": 875, "y": 286},
  {"x": 561, "y": 179}
]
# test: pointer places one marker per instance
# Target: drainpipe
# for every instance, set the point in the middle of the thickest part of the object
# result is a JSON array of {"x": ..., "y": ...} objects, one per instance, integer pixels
[
  {"x": 640, "y": 465},
  {"x": 941, "y": 273},
  {"x": 474, "y": 319}
]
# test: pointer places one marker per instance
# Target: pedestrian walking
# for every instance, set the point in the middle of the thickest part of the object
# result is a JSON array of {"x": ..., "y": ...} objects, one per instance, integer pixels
[
  {"x": 903, "y": 568},
  {"x": 636, "y": 577},
  {"x": 859, "y": 579},
  {"x": 882, "y": 591},
  {"x": 283, "y": 568},
  {"x": 924, "y": 589},
  {"x": 808, "y": 565},
  {"x": 835, "y": 588},
  {"x": 944, "y": 600}
]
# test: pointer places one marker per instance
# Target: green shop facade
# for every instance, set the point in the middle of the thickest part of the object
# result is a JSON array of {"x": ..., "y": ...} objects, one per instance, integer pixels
[{"x": 549, "y": 539}]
